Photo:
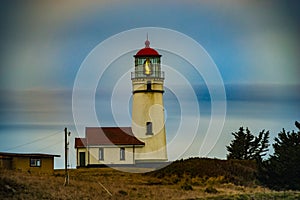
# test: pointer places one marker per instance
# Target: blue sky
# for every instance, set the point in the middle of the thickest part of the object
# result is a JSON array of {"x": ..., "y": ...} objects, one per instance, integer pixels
[
  {"x": 254, "y": 44},
  {"x": 241, "y": 37}
]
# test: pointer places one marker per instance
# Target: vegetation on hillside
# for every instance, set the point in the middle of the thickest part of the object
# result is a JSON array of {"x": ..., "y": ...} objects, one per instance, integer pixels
[
  {"x": 281, "y": 170},
  {"x": 239, "y": 172},
  {"x": 106, "y": 183},
  {"x": 245, "y": 165}
]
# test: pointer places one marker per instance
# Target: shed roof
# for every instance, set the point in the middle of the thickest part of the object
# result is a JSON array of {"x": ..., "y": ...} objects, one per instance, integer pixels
[
  {"x": 7, "y": 154},
  {"x": 107, "y": 136}
]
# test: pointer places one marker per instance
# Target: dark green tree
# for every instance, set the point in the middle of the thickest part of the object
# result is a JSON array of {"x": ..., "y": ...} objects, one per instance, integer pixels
[
  {"x": 282, "y": 170},
  {"x": 246, "y": 146}
]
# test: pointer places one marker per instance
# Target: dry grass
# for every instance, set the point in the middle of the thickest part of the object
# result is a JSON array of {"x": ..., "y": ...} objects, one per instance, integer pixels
[{"x": 88, "y": 184}]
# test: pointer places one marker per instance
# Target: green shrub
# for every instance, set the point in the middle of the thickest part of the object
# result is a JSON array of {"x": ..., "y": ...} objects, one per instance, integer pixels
[
  {"x": 243, "y": 197},
  {"x": 187, "y": 186},
  {"x": 122, "y": 192},
  {"x": 211, "y": 190}
]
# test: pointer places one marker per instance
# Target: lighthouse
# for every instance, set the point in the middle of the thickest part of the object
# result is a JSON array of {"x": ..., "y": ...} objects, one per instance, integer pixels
[
  {"x": 148, "y": 120},
  {"x": 145, "y": 141}
]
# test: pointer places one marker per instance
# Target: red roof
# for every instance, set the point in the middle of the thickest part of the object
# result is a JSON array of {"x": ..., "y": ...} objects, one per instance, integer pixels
[
  {"x": 80, "y": 142},
  {"x": 147, "y": 51},
  {"x": 107, "y": 136}
]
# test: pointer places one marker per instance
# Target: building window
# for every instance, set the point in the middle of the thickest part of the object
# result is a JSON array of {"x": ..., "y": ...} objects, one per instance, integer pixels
[
  {"x": 149, "y": 128},
  {"x": 122, "y": 153},
  {"x": 35, "y": 162},
  {"x": 101, "y": 153},
  {"x": 148, "y": 85}
]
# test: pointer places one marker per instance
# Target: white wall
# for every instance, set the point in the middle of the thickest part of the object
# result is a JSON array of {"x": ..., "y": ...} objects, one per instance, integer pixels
[{"x": 111, "y": 155}]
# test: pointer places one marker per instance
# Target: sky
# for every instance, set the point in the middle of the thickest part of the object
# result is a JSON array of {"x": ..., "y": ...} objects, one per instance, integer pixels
[{"x": 254, "y": 46}]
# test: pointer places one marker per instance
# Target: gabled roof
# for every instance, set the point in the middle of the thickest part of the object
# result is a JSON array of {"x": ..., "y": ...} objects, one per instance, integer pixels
[
  {"x": 80, "y": 142},
  {"x": 107, "y": 136}
]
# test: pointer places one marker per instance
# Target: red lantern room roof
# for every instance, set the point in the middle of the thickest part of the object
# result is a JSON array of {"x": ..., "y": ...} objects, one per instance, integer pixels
[{"x": 147, "y": 51}]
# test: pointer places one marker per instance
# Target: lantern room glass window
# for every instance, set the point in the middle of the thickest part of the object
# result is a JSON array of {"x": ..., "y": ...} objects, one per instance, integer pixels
[{"x": 147, "y": 67}]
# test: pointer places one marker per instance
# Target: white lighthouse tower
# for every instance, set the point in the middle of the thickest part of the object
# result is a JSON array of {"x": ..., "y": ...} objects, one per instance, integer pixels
[{"x": 148, "y": 121}]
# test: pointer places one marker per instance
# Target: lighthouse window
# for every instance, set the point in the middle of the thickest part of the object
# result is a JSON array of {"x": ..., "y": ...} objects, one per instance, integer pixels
[
  {"x": 149, "y": 85},
  {"x": 149, "y": 128}
]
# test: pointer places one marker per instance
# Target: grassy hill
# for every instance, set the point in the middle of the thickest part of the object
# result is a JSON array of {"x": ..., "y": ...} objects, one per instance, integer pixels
[
  {"x": 185, "y": 179},
  {"x": 238, "y": 172}
]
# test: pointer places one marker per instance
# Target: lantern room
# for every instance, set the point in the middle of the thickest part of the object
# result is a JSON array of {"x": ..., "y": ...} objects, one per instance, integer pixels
[{"x": 147, "y": 63}]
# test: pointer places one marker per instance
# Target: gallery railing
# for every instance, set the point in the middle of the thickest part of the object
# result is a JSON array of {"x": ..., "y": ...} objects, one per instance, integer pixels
[{"x": 141, "y": 74}]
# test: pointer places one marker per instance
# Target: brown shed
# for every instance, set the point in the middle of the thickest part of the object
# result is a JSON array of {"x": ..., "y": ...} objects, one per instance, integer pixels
[{"x": 33, "y": 162}]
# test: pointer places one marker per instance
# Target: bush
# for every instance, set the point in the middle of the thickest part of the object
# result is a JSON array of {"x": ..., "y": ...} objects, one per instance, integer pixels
[
  {"x": 122, "y": 192},
  {"x": 211, "y": 190},
  {"x": 187, "y": 186}
]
